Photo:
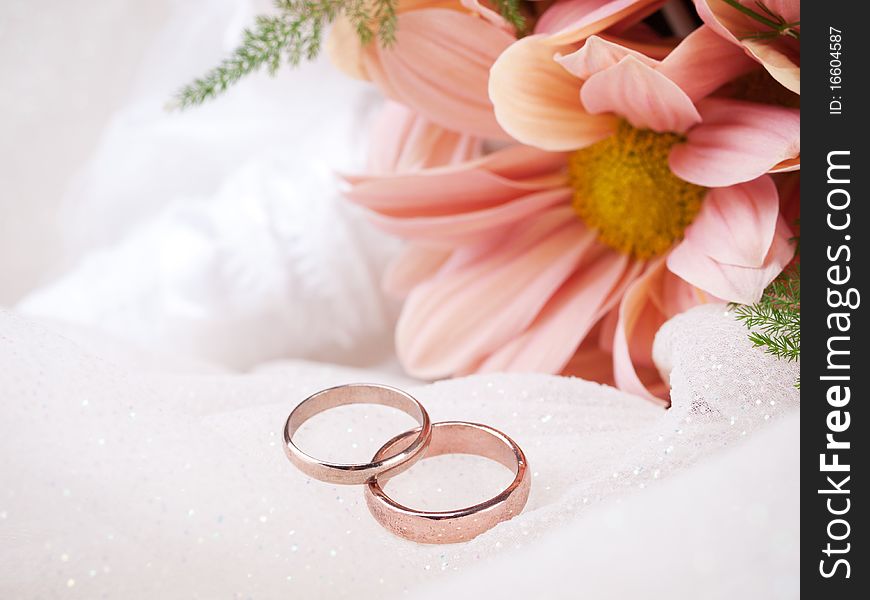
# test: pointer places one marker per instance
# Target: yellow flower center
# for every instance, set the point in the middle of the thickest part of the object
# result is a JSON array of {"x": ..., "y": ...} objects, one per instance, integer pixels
[{"x": 625, "y": 190}]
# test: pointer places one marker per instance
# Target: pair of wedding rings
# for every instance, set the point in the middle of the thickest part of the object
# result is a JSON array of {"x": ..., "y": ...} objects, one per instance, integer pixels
[{"x": 402, "y": 451}]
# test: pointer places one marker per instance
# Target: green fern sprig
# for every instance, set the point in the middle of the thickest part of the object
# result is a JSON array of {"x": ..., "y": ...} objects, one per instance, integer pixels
[
  {"x": 296, "y": 33},
  {"x": 291, "y": 36},
  {"x": 385, "y": 16},
  {"x": 775, "y": 320},
  {"x": 510, "y": 10}
]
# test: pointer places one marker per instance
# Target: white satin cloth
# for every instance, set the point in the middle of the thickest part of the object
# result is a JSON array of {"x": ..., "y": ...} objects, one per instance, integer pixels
[
  {"x": 212, "y": 278},
  {"x": 124, "y": 478}
]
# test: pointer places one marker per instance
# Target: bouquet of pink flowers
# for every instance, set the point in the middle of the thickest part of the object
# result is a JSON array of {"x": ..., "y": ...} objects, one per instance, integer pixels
[{"x": 568, "y": 174}]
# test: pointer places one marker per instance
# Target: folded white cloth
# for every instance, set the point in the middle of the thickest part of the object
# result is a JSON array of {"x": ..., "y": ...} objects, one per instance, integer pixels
[
  {"x": 121, "y": 481},
  {"x": 137, "y": 464},
  {"x": 219, "y": 231}
]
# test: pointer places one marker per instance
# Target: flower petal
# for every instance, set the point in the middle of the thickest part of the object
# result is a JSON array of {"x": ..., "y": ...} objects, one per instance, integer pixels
[
  {"x": 536, "y": 100},
  {"x": 344, "y": 49},
  {"x": 703, "y": 62},
  {"x": 598, "y": 54},
  {"x": 439, "y": 65},
  {"x": 461, "y": 316},
  {"x": 730, "y": 23},
  {"x": 411, "y": 267},
  {"x": 736, "y": 224},
  {"x": 491, "y": 16},
  {"x": 432, "y": 193},
  {"x": 782, "y": 63},
  {"x": 574, "y": 20},
  {"x": 550, "y": 342},
  {"x": 738, "y": 141},
  {"x": 494, "y": 179},
  {"x": 729, "y": 282},
  {"x": 467, "y": 226},
  {"x": 405, "y": 141},
  {"x": 638, "y": 320},
  {"x": 787, "y": 166},
  {"x": 780, "y": 56},
  {"x": 642, "y": 95},
  {"x": 591, "y": 362}
]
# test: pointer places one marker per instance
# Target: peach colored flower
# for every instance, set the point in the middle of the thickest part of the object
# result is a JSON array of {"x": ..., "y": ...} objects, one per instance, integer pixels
[
  {"x": 776, "y": 49},
  {"x": 557, "y": 97},
  {"x": 518, "y": 256},
  {"x": 439, "y": 64},
  {"x": 572, "y": 21},
  {"x": 402, "y": 140}
]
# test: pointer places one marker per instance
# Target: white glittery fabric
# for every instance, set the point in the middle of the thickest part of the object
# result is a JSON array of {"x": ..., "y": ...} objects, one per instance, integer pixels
[
  {"x": 154, "y": 471},
  {"x": 130, "y": 482}
]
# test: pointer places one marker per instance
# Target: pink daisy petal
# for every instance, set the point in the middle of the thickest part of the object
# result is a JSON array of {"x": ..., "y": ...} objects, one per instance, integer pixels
[
  {"x": 637, "y": 317},
  {"x": 405, "y": 141},
  {"x": 550, "y": 342},
  {"x": 781, "y": 57},
  {"x": 491, "y": 16},
  {"x": 598, "y": 54},
  {"x": 432, "y": 193},
  {"x": 414, "y": 265},
  {"x": 463, "y": 227},
  {"x": 642, "y": 95},
  {"x": 738, "y": 141},
  {"x": 591, "y": 362},
  {"x": 536, "y": 100},
  {"x": 729, "y": 22},
  {"x": 461, "y": 316},
  {"x": 439, "y": 65},
  {"x": 782, "y": 64},
  {"x": 524, "y": 163},
  {"x": 736, "y": 224},
  {"x": 729, "y": 282},
  {"x": 573, "y": 20},
  {"x": 489, "y": 181},
  {"x": 703, "y": 62},
  {"x": 787, "y": 166}
]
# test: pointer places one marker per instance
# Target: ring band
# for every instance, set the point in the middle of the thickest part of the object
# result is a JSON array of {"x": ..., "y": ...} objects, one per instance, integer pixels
[
  {"x": 454, "y": 437},
  {"x": 385, "y": 463}
]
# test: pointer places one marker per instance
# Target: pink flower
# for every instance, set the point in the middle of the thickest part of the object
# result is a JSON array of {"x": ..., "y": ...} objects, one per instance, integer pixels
[
  {"x": 402, "y": 141},
  {"x": 438, "y": 70},
  {"x": 768, "y": 31},
  {"x": 658, "y": 202},
  {"x": 438, "y": 65}
]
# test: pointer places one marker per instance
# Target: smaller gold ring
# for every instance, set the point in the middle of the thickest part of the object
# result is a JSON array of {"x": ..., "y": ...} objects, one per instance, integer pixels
[{"x": 358, "y": 393}]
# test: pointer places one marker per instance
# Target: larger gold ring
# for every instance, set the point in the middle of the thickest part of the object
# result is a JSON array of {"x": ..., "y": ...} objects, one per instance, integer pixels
[{"x": 454, "y": 437}]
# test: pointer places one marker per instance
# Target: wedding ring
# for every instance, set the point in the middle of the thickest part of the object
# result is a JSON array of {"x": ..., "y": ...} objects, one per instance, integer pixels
[
  {"x": 453, "y": 437},
  {"x": 387, "y": 463}
]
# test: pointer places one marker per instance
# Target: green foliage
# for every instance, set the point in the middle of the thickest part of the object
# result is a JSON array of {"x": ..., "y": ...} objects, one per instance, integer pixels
[
  {"x": 777, "y": 24},
  {"x": 293, "y": 35},
  {"x": 510, "y": 10},
  {"x": 775, "y": 320},
  {"x": 296, "y": 33}
]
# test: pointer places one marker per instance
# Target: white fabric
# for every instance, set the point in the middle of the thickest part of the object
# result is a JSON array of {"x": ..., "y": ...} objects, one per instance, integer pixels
[
  {"x": 271, "y": 266},
  {"x": 132, "y": 483},
  {"x": 138, "y": 463},
  {"x": 219, "y": 231}
]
